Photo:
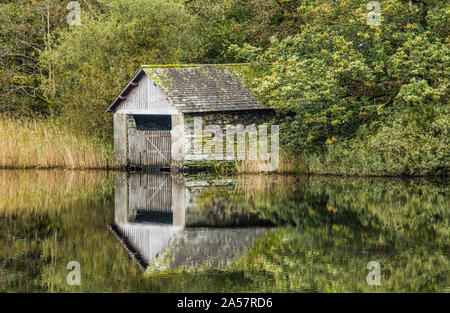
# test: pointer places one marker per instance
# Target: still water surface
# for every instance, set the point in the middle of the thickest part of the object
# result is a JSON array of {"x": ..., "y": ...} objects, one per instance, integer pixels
[{"x": 252, "y": 233}]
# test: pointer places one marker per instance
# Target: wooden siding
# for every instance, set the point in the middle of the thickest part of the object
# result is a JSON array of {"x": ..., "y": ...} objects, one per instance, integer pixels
[
  {"x": 145, "y": 98},
  {"x": 150, "y": 148}
]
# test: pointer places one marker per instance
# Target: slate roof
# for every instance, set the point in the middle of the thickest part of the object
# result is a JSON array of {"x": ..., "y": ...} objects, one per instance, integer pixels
[{"x": 199, "y": 87}]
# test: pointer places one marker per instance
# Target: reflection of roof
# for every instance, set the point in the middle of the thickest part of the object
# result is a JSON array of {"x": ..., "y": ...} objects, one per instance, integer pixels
[
  {"x": 144, "y": 241},
  {"x": 207, "y": 248},
  {"x": 198, "y": 87},
  {"x": 163, "y": 247}
]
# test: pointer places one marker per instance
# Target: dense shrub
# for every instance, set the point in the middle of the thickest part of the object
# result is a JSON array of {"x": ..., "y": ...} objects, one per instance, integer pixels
[{"x": 367, "y": 98}]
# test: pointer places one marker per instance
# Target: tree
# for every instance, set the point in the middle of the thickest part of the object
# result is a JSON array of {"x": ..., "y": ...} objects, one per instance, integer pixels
[
  {"x": 23, "y": 35},
  {"x": 93, "y": 61},
  {"x": 339, "y": 80},
  {"x": 225, "y": 22}
]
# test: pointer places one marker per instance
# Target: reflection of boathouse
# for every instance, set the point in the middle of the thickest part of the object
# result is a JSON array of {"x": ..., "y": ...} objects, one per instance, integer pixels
[{"x": 152, "y": 222}]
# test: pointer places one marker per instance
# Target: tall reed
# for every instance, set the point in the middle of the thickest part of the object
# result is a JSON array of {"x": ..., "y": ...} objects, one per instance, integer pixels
[
  {"x": 43, "y": 144},
  {"x": 287, "y": 165}
]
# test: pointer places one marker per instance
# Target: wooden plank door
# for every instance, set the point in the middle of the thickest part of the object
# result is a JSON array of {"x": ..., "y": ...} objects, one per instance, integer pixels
[{"x": 150, "y": 148}]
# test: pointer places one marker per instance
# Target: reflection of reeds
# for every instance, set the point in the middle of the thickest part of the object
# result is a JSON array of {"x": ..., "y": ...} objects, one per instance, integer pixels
[
  {"x": 260, "y": 184},
  {"x": 26, "y": 193},
  {"x": 40, "y": 144},
  {"x": 286, "y": 165}
]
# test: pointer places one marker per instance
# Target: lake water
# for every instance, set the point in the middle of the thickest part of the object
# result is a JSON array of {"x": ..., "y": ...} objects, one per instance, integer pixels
[{"x": 196, "y": 233}]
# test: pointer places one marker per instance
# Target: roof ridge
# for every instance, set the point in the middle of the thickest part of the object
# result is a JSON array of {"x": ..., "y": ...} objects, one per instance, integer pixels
[
  {"x": 204, "y": 88},
  {"x": 191, "y": 65}
]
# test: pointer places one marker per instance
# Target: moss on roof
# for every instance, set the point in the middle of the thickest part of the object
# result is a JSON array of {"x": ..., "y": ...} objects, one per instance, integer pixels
[
  {"x": 192, "y": 65},
  {"x": 203, "y": 87}
]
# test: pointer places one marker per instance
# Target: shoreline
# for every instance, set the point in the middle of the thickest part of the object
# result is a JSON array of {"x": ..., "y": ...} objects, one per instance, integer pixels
[{"x": 206, "y": 170}]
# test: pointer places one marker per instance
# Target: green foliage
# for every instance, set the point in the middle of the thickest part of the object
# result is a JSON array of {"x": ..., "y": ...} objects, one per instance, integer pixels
[
  {"x": 91, "y": 62},
  {"x": 340, "y": 82},
  {"x": 23, "y": 35},
  {"x": 222, "y": 23},
  {"x": 401, "y": 147}
]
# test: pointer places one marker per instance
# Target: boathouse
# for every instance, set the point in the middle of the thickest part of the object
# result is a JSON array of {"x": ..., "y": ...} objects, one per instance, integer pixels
[{"x": 154, "y": 115}]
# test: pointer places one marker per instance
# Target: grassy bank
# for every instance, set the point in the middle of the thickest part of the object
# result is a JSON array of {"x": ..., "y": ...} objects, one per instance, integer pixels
[
  {"x": 45, "y": 144},
  {"x": 343, "y": 162}
]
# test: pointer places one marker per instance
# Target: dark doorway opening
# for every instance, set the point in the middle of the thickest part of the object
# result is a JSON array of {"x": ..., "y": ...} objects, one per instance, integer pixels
[{"x": 153, "y": 122}]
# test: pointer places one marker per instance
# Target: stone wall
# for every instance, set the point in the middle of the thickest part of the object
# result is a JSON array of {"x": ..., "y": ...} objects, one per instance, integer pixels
[{"x": 222, "y": 119}]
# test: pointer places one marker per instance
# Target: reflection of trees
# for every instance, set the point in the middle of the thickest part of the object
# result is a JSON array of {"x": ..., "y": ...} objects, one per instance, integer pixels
[
  {"x": 334, "y": 260},
  {"x": 21, "y": 252},
  {"x": 40, "y": 215},
  {"x": 402, "y": 210},
  {"x": 329, "y": 229},
  {"x": 392, "y": 208},
  {"x": 341, "y": 224}
]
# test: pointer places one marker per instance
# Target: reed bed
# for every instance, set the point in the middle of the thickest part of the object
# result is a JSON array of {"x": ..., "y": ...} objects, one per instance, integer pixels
[
  {"x": 257, "y": 184},
  {"x": 42, "y": 144},
  {"x": 287, "y": 165}
]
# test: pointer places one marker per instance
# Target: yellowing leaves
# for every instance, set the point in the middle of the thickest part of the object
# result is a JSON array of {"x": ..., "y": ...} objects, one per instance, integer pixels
[
  {"x": 332, "y": 209},
  {"x": 331, "y": 140}
]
